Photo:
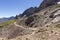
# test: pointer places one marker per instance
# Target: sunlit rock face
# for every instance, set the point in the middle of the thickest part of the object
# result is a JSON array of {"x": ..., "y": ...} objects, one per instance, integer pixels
[{"x": 47, "y": 3}]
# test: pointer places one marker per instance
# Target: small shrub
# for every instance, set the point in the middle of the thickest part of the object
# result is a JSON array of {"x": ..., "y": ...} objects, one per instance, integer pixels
[
  {"x": 35, "y": 25},
  {"x": 58, "y": 25},
  {"x": 35, "y": 15},
  {"x": 51, "y": 16},
  {"x": 51, "y": 31},
  {"x": 45, "y": 12},
  {"x": 32, "y": 24},
  {"x": 1, "y": 26},
  {"x": 27, "y": 38}
]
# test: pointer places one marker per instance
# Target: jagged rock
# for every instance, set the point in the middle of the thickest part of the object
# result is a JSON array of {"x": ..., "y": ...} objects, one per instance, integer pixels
[
  {"x": 47, "y": 3},
  {"x": 29, "y": 11},
  {"x": 44, "y": 4}
]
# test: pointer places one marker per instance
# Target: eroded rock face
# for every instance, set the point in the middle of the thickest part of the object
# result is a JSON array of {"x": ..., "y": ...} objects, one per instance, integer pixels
[
  {"x": 29, "y": 11},
  {"x": 47, "y": 3}
]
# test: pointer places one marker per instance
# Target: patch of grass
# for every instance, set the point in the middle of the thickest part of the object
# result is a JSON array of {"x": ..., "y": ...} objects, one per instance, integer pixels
[{"x": 8, "y": 22}]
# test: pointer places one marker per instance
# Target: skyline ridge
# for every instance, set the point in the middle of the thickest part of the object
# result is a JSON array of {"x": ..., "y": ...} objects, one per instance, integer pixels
[{"x": 10, "y": 8}]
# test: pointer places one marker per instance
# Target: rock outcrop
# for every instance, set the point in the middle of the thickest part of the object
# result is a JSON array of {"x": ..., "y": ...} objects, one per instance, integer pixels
[
  {"x": 47, "y": 3},
  {"x": 28, "y": 11}
]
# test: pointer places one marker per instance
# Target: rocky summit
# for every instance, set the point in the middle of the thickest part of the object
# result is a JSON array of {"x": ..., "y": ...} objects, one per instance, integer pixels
[
  {"x": 42, "y": 23},
  {"x": 47, "y": 3}
]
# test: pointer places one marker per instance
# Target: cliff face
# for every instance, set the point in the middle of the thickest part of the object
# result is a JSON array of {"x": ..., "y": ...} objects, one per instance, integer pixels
[
  {"x": 44, "y": 4},
  {"x": 47, "y": 3},
  {"x": 29, "y": 11}
]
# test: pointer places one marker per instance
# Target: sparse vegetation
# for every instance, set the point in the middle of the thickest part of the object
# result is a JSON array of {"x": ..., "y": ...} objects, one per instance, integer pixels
[
  {"x": 58, "y": 26},
  {"x": 8, "y": 23},
  {"x": 51, "y": 16}
]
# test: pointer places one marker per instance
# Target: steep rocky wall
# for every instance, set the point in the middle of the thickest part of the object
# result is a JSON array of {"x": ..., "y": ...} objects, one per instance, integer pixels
[{"x": 47, "y": 3}]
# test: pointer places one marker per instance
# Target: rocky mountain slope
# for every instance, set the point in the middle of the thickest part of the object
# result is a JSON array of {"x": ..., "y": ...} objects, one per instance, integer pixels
[
  {"x": 47, "y": 3},
  {"x": 41, "y": 25}
]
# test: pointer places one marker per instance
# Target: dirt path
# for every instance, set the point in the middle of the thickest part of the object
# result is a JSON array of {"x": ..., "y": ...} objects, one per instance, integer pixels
[{"x": 24, "y": 27}]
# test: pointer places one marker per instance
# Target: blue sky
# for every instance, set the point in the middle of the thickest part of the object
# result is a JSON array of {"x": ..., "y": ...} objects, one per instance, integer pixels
[{"x": 14, "y": 7}]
